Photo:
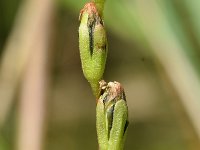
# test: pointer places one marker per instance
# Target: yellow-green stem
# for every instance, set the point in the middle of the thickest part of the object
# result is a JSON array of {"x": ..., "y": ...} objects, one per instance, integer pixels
[{"x": 95, "y": 88}]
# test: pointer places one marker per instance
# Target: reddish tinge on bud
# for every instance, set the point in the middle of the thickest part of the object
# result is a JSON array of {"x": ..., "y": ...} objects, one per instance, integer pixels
[{"x": 89, "y": 8}]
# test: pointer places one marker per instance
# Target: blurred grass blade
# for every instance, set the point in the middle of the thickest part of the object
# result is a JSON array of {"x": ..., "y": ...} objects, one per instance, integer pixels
[
  {"x": 193, "y": 8},
  {"x": 170, "y": 53}
]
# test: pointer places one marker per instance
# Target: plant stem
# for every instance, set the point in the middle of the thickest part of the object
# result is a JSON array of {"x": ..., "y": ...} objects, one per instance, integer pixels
[
  {"x": 95, "y": 88},
  {"x": 111, "y": 109}
]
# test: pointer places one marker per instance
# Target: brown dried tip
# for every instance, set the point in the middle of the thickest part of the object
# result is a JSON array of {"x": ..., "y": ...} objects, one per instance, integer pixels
[
  {"x": 90, "y": 8},
  {"x": 113, "y": 89}
]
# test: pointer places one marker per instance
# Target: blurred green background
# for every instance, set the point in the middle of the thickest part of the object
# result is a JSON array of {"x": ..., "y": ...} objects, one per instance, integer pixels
[{"x": 154, "y": 51}]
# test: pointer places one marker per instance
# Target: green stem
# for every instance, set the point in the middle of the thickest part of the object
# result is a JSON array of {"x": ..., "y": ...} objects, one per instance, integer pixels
[
  {"x": 111, "y": 110},
  {"x": 95, "y": 88}
]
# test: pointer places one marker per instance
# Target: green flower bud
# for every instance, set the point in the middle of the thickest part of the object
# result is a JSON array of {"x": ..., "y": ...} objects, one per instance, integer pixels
[
  {"x": 92, "y": 45},
  {"x": 112, "y": 116}
]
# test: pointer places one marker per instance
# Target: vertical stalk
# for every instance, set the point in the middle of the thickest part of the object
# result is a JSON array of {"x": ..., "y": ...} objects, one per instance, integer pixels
[{"x": 111, "y": 109}]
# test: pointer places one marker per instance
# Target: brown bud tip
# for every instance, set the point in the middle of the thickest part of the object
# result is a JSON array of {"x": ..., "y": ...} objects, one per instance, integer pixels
[
  {"x": 90, "y": 8},
  {"x": 112, "y": 90},
  {"x": 115, "y": 89}
]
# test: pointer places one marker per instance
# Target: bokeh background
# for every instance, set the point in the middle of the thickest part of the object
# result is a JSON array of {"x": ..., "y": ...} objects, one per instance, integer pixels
[{"x": 154, "y": 51}]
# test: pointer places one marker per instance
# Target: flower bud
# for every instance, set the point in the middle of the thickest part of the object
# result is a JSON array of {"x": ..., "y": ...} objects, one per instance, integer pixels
[
  {"x": 112, "y": 116},
  {"x": 92, "y": 45}
]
